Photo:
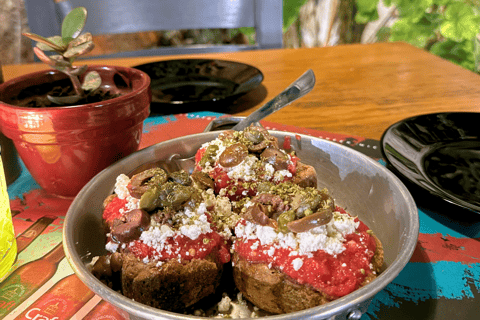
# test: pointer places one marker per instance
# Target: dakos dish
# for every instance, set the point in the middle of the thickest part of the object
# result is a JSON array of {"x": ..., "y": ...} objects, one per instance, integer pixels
[{"x": 297, "y": 225}]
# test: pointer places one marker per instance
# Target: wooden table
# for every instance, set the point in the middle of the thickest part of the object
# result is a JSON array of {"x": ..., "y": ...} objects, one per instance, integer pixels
[{"x": 360, "y": 89}]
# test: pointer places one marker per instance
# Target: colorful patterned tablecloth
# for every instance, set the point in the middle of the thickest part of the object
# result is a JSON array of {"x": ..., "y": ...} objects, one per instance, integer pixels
[{"x": 441, "y": 281}]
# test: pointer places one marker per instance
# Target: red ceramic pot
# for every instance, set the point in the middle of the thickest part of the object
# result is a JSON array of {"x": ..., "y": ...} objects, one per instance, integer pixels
[{"x": 64, "y": 147}]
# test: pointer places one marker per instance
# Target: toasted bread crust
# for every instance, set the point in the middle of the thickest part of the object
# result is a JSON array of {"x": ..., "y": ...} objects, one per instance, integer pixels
[
  {"x": 305, "y": 176},
  {"x": 174, "y": 285},
  {"x": 273, "y": 291}
]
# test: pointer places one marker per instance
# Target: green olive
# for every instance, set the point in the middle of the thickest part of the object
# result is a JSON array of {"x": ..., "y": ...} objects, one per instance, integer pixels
[
  {"x": 284, "y": 218},
  {"x": 233, "y": 155},
  {"x": 159, "y": 177},
  {"x": 150, "y": 199}
]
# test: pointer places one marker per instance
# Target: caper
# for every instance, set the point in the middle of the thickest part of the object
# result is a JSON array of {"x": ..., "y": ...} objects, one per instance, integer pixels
[
  {"x": 209, "y": 155},
  {"x": 307, "y": 212},
  {"x": 180, "y": 177},
  {"x": 264, "y": 186},
  {"x": 233, "y": 155},
  {"x": 285, "y": 218}
]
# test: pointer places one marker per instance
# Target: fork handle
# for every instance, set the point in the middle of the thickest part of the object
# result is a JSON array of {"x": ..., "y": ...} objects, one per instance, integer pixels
[{"x": 297, "y": 89}]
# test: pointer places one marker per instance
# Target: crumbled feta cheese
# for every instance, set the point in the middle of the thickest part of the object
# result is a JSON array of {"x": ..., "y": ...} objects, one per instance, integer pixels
[
  {"x": 122, "y": 192},
  {"x": 269, "y": 171},
  {"x": 297, "y": 264},
  {"x": 329, "y": 238},
  {"x": 281, "y": 174},
  {"x": 271, "y": 251},
  {"x": 121, "y": 186},
  {"x": 224, "y": 304},
  {"x": 111, "y": 246},
  {"x": 245, "y": 170}
]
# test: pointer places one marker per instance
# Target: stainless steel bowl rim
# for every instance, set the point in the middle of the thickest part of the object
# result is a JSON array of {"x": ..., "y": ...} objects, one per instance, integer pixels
[{"x": 343, "y": 305}]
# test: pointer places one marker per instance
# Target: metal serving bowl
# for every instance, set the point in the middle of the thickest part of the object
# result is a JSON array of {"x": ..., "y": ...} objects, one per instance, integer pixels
[{"x": 359, "y": 184}]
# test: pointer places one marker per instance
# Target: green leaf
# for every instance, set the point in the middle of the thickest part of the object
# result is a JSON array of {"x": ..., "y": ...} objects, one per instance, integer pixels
[
  {"x": 291, "y": 8},
  {"x": 67, "y": 100},
  {"x": 50, "y": 42},
  {"x": 365, "y": 17},
  {"x": 92, "y": 81},
  {"x": 383, "y": 34},
  {"x": 460, "y": 53},
  {"x": 55, "y": 39},
  {"x": 74, "y": 23},
  {"x": 42, "y": 56},
  {"x": 55, "y": 61},
  {"x": 460, "y": 23},
  {"x": 367, "y": 5},
  {"x": 86, "y": 37},
  {"x": 79, "y": 50},
  {"x": 366, "y": 11},
  {"x": 415, "y": 10},
  {"x": 442, "y": 2},
  {"x": 417, "y": 35}
]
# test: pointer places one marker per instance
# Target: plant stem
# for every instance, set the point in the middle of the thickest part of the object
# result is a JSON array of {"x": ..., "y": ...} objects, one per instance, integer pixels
[{"x": 77, "y": 86}]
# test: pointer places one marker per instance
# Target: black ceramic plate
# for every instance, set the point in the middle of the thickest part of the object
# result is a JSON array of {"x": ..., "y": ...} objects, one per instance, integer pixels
[
  {"x": 440, "y": 153},
  {"x": 187, "y": 81}
]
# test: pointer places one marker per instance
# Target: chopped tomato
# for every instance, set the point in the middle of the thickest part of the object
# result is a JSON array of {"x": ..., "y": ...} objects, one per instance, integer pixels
[
  {"x": 113, "y": 208},
  {"x": 184, "y": 248},
  {"x": 198, "y": 157},
  {"x": 292, "y": 167},
  {"x": 335, "y": 275}
]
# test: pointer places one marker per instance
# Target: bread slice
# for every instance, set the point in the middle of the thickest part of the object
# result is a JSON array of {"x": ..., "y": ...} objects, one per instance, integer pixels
[
  {"x": 275, "y": 292},
  {"x": 174, "y": 285}
]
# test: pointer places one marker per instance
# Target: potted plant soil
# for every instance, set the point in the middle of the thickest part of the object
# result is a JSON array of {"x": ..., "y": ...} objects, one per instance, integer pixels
[{"x": 70, "y": 123}]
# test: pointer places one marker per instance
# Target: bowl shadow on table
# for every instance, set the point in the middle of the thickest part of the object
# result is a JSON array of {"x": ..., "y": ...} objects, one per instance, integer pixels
[
  {"x": 462, "y": 220},
  {"x": 231, "y": 105}
]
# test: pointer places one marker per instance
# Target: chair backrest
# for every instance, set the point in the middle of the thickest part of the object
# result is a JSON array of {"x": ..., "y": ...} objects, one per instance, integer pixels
[{"x": 128, "y": 16}]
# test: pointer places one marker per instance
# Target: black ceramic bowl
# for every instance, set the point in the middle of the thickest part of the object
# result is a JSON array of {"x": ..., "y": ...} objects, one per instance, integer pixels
[{"x": 439, "y": 153}]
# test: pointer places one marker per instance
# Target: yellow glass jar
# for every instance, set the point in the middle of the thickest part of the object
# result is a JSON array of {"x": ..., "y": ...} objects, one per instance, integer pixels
[{"x": 8, "y": 245}]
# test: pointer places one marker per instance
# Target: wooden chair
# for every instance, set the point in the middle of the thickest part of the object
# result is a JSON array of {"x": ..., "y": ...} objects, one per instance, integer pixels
[{"x": 128, "y": 16}]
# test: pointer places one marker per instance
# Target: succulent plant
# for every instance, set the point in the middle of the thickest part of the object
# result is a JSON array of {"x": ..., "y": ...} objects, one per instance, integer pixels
[{"x": 69, "y": 46}]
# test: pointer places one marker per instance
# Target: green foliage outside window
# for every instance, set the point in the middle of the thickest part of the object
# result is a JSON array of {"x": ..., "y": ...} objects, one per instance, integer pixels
[
  {"x": 291, "y": 8},
  {"x": 447, "y": 28}
]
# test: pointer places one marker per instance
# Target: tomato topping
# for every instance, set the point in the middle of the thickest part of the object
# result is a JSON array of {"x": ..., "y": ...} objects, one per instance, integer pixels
[
  {"x": 113, "y": 209},
  {"x": 292, "y": 167},
  {"x": 198, "y": 157},
  {"x": 182, "y": 247},
  {"x": 287, "y": 143},
  {"x": 335, "y": 275}
]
